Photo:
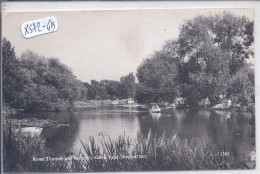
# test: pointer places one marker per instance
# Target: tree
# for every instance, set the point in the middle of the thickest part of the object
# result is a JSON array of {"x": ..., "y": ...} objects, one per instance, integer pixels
[
  {"x": 213, "y": 48},
  {"x": 145, "y": 94},
  {"x": 208, "y": 54},
  {"x": 128, "y": 86},
  {"x": 14, "y": 77},
  {"x": 100, "y": 90},
  {"x": 233, "y": 35},
  {"x": 91, "y": 93},
  {"x": 241, "y": 87},
  {"x": 157, "y": 76},
  {"x": 112, "y": 87},
  {"x": 35, "y": 83}
]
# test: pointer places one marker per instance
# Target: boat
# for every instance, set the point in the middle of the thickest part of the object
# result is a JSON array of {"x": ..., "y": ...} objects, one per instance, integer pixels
[
  {"x": 122, "y": 102},
  {"x": 154, "y": 108},
  {"x": 114, "y": 102},
  {"x": 155, "y": 115},
  {"x": 142, "y": 108},
  {"x": 31, "y": 131},
  {"x": 130, "y": 101}
]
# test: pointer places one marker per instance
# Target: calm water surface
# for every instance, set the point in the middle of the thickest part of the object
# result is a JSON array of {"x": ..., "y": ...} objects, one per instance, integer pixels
[{"x": 231, "y": 135}]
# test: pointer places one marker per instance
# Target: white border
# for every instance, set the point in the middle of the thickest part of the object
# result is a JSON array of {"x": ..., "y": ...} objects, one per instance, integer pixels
[
  {"x": 120, "y": 5},
  {"x": 101, "y": 5}
]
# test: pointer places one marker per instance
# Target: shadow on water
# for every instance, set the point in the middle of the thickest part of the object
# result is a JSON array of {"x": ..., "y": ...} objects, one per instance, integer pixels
[
  {"x": 233, "y": 135},
  {"x": 59, "y": 137}
]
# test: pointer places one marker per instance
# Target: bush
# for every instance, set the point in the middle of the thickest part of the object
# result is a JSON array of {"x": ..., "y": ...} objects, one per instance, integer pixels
[
  {"x": 151, "y": 153},
  {"x": 19, "y": 150}
]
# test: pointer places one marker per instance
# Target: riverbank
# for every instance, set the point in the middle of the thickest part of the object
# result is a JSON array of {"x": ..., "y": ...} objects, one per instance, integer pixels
[
  {"x": 35, "y": 122},
  {"x": 91, "y": 103},
  {"x": 157, "y": 156},
  {"x": 88, "y": 104},
  {"x": 145, "y": 153}
]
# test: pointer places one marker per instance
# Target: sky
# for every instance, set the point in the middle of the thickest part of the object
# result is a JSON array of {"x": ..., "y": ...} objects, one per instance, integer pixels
[{"x": 103, "y": 44}]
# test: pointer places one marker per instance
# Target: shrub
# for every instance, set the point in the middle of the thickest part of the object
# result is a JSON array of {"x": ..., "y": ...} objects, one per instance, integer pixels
[{"x": 19, "y": 150}]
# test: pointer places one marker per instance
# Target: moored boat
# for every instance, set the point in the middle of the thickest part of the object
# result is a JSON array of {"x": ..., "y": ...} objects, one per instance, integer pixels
[
  {"x": 154, "y": 108},
  {"x": 114, "y": 102},
  {"x": 130, "y": 101}
]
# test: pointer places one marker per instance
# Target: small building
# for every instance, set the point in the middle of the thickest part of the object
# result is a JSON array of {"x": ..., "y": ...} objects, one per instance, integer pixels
[
  {"x": 227, "y": 103},
  {"x": 222, "y": 96},
  {"x": 223, "y": 105},
  {"x": 164, "y": 103},
  {"x": 122, "y": 102},
  {"x": 180, "y": 102},
  {"x": 114, "y": 102},
  {"x": 204, "y": 102}
]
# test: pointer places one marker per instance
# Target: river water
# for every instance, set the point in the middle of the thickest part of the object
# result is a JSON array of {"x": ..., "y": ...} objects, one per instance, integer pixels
[{"x": 230, "y": 135}]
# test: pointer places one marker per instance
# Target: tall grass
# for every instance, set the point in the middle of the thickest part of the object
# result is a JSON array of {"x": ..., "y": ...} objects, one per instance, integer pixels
[
  {"x": 144, "y": 153},
  {"x": 20, "y": 149},
  {"x": 152, "y": 153}
]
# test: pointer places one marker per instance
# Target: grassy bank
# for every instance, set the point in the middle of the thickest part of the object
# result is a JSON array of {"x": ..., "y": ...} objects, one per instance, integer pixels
[
  {"x": 155, "y": 153},
  {"x": 91, "y": 103},
  {"x": 19, "y": 148},
  {"x": 151, "y": 153},
  {"x": 144, "y": 153},
  {"x": 19, "y": 151}
]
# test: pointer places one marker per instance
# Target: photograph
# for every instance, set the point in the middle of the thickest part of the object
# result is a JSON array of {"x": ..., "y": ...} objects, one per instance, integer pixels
[{"x": 128, "y": 90}]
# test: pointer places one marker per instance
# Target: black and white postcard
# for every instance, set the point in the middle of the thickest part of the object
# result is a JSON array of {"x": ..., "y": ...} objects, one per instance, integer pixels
[{"x": 128, "y": 90}]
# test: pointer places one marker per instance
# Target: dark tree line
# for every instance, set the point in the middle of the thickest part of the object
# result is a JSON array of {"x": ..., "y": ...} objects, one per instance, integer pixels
[
  {"x": 109, "y": 89},
  {"x": 35, "y": 83},
  {"x": 208, "y": 59}
]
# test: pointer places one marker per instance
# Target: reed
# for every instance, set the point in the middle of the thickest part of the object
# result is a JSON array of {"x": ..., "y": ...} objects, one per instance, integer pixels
[
  {"x": 19, "y": 150},
  {"x": 153, "y": 153},
  {"x": 144, "y": 153}
]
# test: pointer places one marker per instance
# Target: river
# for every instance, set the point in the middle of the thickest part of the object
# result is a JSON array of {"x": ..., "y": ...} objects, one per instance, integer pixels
[{"x": 230, "y": 135}]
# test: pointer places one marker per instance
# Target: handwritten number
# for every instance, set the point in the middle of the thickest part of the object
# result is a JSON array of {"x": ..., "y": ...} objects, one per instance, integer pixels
[
  {"x": 39, "y": 27},
  {"x": 50, "y": 25}
]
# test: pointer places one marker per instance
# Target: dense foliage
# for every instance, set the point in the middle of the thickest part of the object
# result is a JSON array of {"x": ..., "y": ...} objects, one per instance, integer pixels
[
  {"x": 36, "y": 83},
  {"x": 109, "y": 89},
  {"x": 32, "y": 82},
  {"x": 208, "y": 59},
  {"x": 157, "y": 78}
]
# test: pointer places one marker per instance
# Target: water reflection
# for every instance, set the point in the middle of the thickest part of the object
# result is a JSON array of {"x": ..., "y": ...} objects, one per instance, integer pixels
[
  {"x": 104, "y": 124},
  {"x": 155, "y": 115},
  {"x": 233, "y": 135}
]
